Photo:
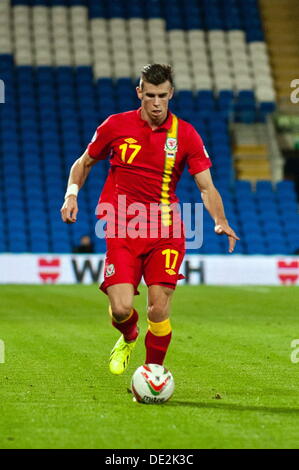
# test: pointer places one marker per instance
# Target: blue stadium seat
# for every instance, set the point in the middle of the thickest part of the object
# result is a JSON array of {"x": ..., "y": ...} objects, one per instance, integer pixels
[
  {"x": 185, "y": 100},
  {"x": 12, "y": 170},
  {"x": 221, "y": 140},
  {"x": 99, "y": 245},
  {"x": 125, "y": 104},
  {"x": 292, "y": 235},
  {"x": 290, "y": 226},
  {"x": 242, "y": 186},
  {"x": 267, "y": 107},
  {"x": 3, "y": 248},
  {"x": 37, "y": 224},
  {"x": 59, "y": 3},
  {"x": 249, "y": 218},
  {"x": 64, "y": 75},
  {"x": 17, "y": 245},
  {"x": 217, "y": 123},
  {"x": 17, "y": 205},
  {"x": 173, "y": 18},
  {"x": 27, "y": 100},
  {"x": 212, "y": 249},
  {"x": 245, "y": 100},
  {"x": 46, "y": 91},
  {"x": 38, "y": 233},
  {"x": 253, "y": 236},
  {"x": 39, "y": 246},
  {"x": 61, "y": 246},
  {"x": 267, "y": 206},
  {"x": 6, "y": 62},
  {"x": 255, "y": 249},
  {"x": 85, "y": 101},
  {"x": 97, "y": 10},
  {"x": 16, "y": 238},
  {"x": 277, "y": 248},
  {"x": 115, "y": 9},
  {"x": 152, "y": 9},
  {"x": 293, "y": 246},
  {"x": 245, "y": 204},
  {"x": 84, "y": 75},
  {"x": 193, "y": 19},
  {"x": 225, "y": 100},
  {"x": 105, "y": 85},
  {"x": 134, "y": 9},
  {"x": 272, "y": 226},
  {"x": 44, "y": 74},
  {"x": 57, "y": 229},
  {"x": 124, "y": 85},
  {"x": 288, "y": 206},
  {"x": 205, "y": 100},
  {"x": 285, "y": 187}
]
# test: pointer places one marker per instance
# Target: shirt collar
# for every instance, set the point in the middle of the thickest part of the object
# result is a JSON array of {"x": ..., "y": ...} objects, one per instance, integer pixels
[{"x": 166, "y": 124}]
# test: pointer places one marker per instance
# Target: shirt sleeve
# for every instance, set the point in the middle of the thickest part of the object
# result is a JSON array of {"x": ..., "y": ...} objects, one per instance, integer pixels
[
  {"x": 100, "y": 145},
  {"x": 197, "y": 156}
]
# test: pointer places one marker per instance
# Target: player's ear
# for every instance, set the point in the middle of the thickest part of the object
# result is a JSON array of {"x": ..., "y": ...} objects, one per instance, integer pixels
[
  {"x": 171, "y": 92},
  {"x": 139, "y": 92}
]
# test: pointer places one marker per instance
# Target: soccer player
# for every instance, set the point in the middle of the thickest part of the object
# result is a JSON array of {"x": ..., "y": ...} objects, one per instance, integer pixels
[{"x": 148, "y": 149}]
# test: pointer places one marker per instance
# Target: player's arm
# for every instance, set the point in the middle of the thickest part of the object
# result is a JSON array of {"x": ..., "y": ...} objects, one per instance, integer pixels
[
  {"x": 213, "y": 203},
  {"x": 78, "y": 174}
]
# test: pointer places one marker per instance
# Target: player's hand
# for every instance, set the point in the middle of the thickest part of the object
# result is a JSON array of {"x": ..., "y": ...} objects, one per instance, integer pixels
[
  {"x": 69, "y": 210},
  {"x": 224, "y": 229}
]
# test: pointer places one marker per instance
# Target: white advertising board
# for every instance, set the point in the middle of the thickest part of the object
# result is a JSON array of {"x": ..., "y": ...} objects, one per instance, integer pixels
[{"x": 210, "y": 270}]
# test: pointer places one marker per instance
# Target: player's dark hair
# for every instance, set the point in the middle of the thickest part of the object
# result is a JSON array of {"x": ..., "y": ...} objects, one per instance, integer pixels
[{"x": 156, "y": 74}]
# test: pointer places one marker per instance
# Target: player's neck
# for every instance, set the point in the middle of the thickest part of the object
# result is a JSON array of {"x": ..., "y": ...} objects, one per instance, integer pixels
[{"x": 154, "y": 124}]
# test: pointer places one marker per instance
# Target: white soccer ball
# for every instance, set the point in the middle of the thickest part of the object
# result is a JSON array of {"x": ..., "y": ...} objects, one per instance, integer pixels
[{"x": 152, "y": 383}]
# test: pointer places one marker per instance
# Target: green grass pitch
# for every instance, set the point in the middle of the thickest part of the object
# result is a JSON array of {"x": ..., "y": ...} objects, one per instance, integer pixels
[{"x": 236, "y": 386}]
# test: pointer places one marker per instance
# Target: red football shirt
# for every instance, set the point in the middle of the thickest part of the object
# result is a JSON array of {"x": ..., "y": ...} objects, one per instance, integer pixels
[{"x": 137, "y": 157}]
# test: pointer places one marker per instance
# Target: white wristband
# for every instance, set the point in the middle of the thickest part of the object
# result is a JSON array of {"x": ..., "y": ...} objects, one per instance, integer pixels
[
  {"x": 72, "y": 190},
  {"x": 218, "y": 229}
]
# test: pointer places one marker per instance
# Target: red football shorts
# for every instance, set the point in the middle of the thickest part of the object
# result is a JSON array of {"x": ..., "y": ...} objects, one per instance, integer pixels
[{"x": 158, "y": 260}]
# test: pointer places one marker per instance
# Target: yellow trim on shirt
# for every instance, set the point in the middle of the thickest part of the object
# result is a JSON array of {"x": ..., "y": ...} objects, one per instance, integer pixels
[{"x": 167, "y": 173}]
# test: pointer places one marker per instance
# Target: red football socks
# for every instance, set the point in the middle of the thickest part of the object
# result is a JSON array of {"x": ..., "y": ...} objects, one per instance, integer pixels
[
  {"x": 128, "y": 327},
  {"x": 156, "y": 348},
  {"x": 157, "y": 340}
]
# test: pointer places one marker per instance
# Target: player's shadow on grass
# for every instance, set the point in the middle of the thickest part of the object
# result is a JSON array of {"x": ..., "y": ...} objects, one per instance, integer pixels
[{"x": 233, "y": 407}]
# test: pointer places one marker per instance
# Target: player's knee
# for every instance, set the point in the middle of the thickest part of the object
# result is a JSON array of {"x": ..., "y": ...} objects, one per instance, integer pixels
[
  {"x": 121, "y": 311},
  {"x": 157, "y": 312}
]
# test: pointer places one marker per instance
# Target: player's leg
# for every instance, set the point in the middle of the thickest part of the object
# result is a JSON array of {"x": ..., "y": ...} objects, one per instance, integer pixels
[
  {"x": 124, "y": 316},
  {"x": 159, "y": 332},
  {"x": 124, "y": 319},
  {"x": 122, "y": 275},
  {"x": 161, "y": 273}
]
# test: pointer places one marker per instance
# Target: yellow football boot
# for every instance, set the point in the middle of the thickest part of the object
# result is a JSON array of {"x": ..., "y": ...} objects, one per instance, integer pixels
[{"x": 120, "y": 355}]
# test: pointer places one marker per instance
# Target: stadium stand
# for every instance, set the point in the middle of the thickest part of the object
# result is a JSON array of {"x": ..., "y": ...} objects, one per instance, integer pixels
[
  {"x": 281, "y": 23},
  {"x": 67, "y": 64}
]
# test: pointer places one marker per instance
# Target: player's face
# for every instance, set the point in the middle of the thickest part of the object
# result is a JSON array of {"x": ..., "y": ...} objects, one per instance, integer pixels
[{"x": 154, "y": 100}]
